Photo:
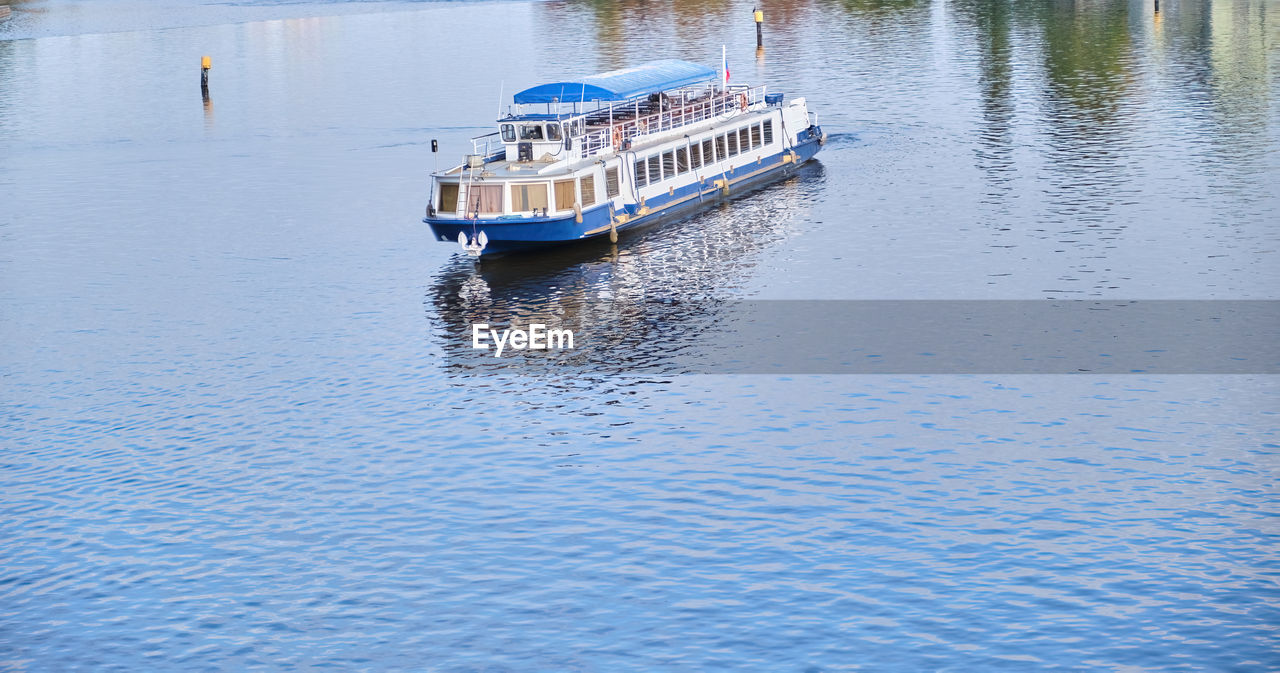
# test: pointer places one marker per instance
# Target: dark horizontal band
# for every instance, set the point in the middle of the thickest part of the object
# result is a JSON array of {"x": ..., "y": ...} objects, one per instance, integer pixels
[{"x": 883, "y": 337}]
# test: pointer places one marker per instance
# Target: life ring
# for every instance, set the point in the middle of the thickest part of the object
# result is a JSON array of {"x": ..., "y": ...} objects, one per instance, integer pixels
[
  {"x": 617, "y": 136},
  {"x": 742, "y": 101}
]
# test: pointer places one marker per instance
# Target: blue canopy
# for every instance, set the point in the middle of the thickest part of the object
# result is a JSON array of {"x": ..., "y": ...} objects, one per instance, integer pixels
[{"x": 623, "y": 84}]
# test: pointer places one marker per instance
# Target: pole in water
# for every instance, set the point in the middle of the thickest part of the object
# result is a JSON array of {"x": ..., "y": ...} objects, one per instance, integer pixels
[
  {"x": 205, "y": 64},
  {"x": 1157, "y": 5},
  {"x": 759, "y": 15}
]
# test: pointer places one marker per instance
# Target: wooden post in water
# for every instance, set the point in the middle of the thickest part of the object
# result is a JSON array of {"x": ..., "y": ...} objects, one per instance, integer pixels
[
  {"x": 205, "y": 64},
  {"x": 4, "y": 12},
  {"x": 1157, "y": 5},
  {"x": 759, "y": 16}
]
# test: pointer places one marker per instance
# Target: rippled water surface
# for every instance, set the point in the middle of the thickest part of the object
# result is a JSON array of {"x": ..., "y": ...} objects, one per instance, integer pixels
[{"x": 230, "y": 437}]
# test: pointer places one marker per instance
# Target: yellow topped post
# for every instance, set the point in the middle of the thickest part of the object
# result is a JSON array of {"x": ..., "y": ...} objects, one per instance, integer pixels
[
  {"x": 205, "y": 64},
  {"x": 759, "y": 16}
]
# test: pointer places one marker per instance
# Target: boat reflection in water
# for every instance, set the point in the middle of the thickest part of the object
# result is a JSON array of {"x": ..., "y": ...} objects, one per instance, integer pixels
[{"x": 631, "y": 305}]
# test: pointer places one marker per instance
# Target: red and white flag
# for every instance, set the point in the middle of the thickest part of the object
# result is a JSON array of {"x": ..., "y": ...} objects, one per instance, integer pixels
[{"x": 724, "y": 65}]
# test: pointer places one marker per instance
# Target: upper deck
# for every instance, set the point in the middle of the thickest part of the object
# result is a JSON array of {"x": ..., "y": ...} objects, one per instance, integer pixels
[
  {"x": 615, "y": 128},
  {"x": 610, "y": 112}
]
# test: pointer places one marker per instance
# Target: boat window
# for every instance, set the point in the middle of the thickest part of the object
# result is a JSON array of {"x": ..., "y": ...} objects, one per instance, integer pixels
[
  {"x": 655, "y": 169},
  {"x": 553, "y": 131},
  {"x": 707, "y": 155},
  {"x": 611, "y": 182},
  {"x": 733, "y": 143},
  {"x": 744, "y": 139},
  {"x": 531, "y": 132},
  {"x": 668, "y": 165},
  {"x": 449, "y": 198},
  {"x": 695, "y": 156},
  {"x": 682, "y": 160},
  {"x": 755, "y": 136},
  {"x": 768, "y": 132},
  {"x": 640, "y": 176},
  {"x": 564, "y": 194},
  {"x": 721, "y": 152},
  {"x": 587, "y": 186},
  {"x": 528, "y": 197},
  {"x": 508, "y": 133},
  {"x": 484, "y": 199}
]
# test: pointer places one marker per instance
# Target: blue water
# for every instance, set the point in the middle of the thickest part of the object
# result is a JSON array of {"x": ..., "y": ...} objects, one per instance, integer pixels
[{"x": 230, "y": 439}]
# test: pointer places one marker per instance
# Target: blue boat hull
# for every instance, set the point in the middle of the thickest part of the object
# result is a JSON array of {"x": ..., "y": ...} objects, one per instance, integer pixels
[{"x": 526, "y": 234}]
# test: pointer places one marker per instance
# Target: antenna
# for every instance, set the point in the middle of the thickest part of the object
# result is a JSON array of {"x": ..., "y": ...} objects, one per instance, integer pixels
[{"x": 501, "y": 86}]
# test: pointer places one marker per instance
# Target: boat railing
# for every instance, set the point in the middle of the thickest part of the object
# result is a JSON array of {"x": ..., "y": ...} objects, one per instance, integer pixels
[
  {"x": 612, "y": 129},
  {"x": 487, "y": 144},
  {"x": 625, "y": 131}
]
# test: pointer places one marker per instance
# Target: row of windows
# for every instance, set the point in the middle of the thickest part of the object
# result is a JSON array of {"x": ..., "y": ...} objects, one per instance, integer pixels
[
  {"x": 658, "y": 167},
  {"x": 528, "y": 197},
  {"x": 486, "y": 199},
  {"x": 525, "y": 197},
  {"x": 530, "y": 132}
]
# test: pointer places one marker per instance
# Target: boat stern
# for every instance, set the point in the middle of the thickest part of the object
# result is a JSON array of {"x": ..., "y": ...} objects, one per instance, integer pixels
[{"x": 492, "y": 236}]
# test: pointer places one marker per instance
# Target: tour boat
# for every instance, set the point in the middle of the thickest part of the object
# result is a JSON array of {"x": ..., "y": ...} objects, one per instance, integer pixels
[{"x": 601, "y": 154}]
